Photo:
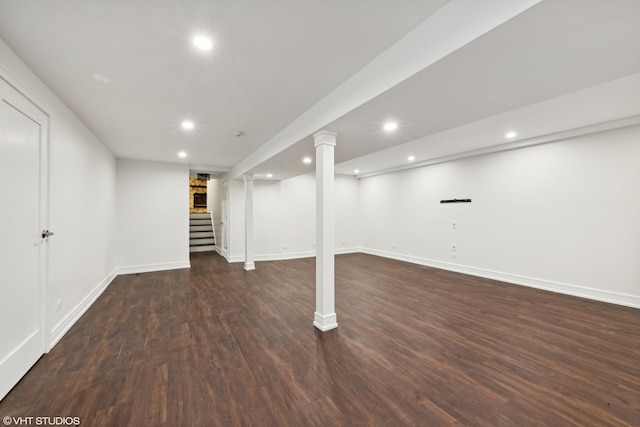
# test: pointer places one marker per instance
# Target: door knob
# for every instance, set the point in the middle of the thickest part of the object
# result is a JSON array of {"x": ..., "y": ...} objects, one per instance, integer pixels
[{"x": 46, "y": 233}]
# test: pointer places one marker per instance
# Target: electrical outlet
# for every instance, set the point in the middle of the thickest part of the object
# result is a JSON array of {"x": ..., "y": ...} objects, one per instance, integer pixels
[
  {"x": 453, "y": 247},
  {"x": 454, "y": 225},
  {"x": 58, "y": 305},
  {"x": 285, "y": 247}
]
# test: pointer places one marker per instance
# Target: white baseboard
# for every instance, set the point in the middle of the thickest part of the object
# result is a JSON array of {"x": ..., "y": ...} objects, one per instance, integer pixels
[
  {"x": 628, "y": 300},
  {"x": 147, "y": 268},
  {"x": 58, "y": 331},
  {"x": 225, "y": 254},
  {"x": 70, "y": 319},
  {"x": 285, "y": 255},
  {"x": 296, "y": 255},
  {"x": 325, "y": 322},
  {"x": 235, "y": 258},
  {"x": 289, "y": 255},
  {"x": 273, "y": 257},
  {"x": 342, "y": 251},
  {"x": 547, "y": 285}
]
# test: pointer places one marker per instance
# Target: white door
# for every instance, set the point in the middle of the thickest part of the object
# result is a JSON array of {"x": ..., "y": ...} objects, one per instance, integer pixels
[{"x": 23, "y": 148}]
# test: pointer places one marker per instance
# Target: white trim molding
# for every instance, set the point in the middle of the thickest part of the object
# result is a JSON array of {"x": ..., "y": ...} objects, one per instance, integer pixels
[
  {"x": 285, "y": 256},
  {"x": 70, "y": 319},
  {"x": 306, "y": 254},
  {"x": 148, "y": 268},
  {"x": 532, "y": 282},
  {"x": 234, "y": 258},
  {"x": 326, "y": 322}
]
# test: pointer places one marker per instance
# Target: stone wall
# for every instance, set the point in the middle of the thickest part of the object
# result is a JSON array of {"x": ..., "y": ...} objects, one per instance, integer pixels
[{"x": 196, "y": 186}]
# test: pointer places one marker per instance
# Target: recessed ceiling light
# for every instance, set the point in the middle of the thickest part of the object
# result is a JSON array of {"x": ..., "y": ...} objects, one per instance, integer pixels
[
  {"x": 511, "y": 135},
  {"x": 307, "y": 160},
  {"x": 356, "y": 171},
  {"x": 269, "y": 175},
  {"x": 411, "y": 158},
  {"x": 101, "y": 78},
  {"x": 182, "y": 154},
  {"x": 188, "y": 125},
  {"x": 203, "y": 42},
  {"x": 389, "y": 126}
]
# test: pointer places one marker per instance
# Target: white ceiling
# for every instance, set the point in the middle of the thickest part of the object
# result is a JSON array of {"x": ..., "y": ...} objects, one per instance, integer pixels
[{"x": 558, "y": 65}]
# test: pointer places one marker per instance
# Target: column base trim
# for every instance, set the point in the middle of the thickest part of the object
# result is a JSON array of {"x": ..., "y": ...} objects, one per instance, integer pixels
[
  {"x": 326, "y": 322},
  {"x": 249, "y": 266}
]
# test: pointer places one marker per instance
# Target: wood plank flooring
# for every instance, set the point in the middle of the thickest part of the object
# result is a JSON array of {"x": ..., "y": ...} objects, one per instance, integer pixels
[{"x": 218, "y": 346}]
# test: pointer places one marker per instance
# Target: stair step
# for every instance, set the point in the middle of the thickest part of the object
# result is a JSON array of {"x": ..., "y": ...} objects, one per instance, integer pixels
[
  {"x": 201, "y": 237},
  {"x": 200, "y": 222},
  {"x": 200, "y": 234},
  {"x": 207, "y": 248},
  {"x": 200, "y": 242},
  {"x": 199, "y": 216}
]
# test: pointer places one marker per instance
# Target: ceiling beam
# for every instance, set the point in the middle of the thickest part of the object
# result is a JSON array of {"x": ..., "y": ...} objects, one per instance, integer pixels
[
  {"x": 453, "y": 26},
  {"x": 508, "y": 146}
]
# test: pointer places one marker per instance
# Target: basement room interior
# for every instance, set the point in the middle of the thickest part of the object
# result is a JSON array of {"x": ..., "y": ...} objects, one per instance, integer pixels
[{"x": 303, "y": 213}]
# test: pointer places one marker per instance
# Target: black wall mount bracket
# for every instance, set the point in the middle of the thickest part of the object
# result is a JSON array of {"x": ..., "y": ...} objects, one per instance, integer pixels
[{"x": 456, "y": 201}]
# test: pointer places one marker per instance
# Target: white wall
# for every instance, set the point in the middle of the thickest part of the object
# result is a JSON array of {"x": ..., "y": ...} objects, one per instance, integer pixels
[
  {"x": 235, "y": 223},
  {"x": 214, "y": 204},
  {"x": 152, "y": 216},
  {"x": 268, "y": 220},
  {"x": 348, "y": 213},
  {"x": 82, "y": 182},
  {"x": 562, "y": 216},
  {"x": 284, "y": 217},
  {"x": 297, "y": 229}
]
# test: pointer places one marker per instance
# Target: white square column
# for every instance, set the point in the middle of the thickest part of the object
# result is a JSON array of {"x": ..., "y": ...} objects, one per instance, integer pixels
[
  {"x": 249, "y": 249},
  {"x": 325, "y": 315}
]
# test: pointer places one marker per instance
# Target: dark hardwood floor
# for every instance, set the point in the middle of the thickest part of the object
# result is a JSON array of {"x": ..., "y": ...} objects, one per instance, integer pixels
[{"x": 216, "y": 345}]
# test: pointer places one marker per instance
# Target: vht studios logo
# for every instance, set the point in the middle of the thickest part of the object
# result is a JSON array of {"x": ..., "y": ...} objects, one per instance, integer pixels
[{"x": 41, "y": 421}]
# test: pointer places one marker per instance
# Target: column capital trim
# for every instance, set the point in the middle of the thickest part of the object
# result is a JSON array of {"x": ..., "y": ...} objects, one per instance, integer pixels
[
  {"x": 325, "y": 137},
  {"x": 247, "y": 177}
]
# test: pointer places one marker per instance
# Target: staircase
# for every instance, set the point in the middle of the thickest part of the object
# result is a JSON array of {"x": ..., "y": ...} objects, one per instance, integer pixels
[{"x": 201, "y": 235}]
